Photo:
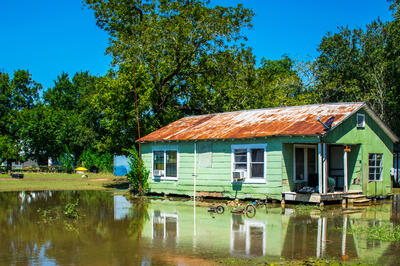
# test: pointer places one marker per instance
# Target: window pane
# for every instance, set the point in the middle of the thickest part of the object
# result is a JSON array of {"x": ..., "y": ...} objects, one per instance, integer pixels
[
  {"x": 257, "y": 155},
  {"x": 240, "y": 166},
  {"x": 299, "y": 163},
  {"x": 378, "y": 173},
  {"x": 311, "y": 161},
  {"x": 158, "y": 160},
  {"x": 257, "y": 170},
  {"x": 171, "y": 163},
  {"x": 371, "y": 176},
  {"x": 171, "y": 231},
  {"x": 240, "y": 155},
  {"x": 256, "y": 240}
]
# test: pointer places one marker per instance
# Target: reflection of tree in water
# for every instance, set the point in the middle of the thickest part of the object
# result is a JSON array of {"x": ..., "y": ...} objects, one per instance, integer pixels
[
  {"x": 91, "y": 239},
  {"x": 139, "y": 215}
]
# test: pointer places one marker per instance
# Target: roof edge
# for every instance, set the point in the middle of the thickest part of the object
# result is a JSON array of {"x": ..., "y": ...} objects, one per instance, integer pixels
[
  {"x": 375, "y": 117},
  {"x": 272, "y": 108},
  {"x": 379, "y": 121}
]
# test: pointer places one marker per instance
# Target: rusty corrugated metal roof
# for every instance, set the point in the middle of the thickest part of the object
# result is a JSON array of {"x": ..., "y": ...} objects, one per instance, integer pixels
[{"x": 296, "y": 120}]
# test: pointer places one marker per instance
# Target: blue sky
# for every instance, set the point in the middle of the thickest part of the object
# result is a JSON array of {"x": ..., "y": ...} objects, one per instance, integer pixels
[{"x": 49, "y": 37}]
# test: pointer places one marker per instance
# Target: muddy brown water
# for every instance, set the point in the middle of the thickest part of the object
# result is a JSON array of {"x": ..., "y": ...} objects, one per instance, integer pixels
[{"x": 112, "y": 230}]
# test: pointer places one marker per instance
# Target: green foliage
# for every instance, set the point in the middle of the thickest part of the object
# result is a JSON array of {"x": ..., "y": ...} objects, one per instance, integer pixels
[
  {"x": 66, "y": 161},
  {"x": 177, "y": 47},
  {"x": 101, "y": 161},
  {"x": 70, "y": 210},
  {"x": 362, "y": 65},
  {"x": 17, "y": 94},
  {"x": 384, "y": 232},
  {"x": 302, "y": 209},
  {"x": 138, "y": 178}
]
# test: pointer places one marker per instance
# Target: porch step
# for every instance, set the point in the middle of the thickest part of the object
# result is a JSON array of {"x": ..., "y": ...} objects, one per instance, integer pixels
[
  {"x": 361, "y": 201},
  {"x": 355, "y": 196},
  {"x": 352, "y": 192}
]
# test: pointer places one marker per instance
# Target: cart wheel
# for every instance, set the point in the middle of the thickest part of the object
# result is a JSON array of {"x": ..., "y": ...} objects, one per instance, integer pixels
[
  {"x": 220, "y": 209},
  {"x": 250, "y": 211}
]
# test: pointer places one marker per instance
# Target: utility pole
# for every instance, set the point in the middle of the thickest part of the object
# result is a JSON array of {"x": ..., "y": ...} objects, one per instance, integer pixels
[{"x": 138, "y": 128}]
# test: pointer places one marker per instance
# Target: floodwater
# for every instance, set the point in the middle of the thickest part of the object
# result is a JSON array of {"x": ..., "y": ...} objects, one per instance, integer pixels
[{"x": 111, "y": 230}]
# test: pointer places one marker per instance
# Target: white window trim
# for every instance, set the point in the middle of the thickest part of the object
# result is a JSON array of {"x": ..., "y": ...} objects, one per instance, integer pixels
[
  {"x": 164, "y": 216},
  {"x": 245, "y": 228},
  {"x": 165, "y": 169},
  {"x": 305, "y": 161},
  {"x": 363, "y": 123},
  {"x": 375, "y": 167},
  {"x": 248, "y": 147}
]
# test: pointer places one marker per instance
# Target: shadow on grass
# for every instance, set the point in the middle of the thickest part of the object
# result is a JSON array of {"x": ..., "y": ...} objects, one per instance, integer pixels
[{"x": 117, "y": 185}]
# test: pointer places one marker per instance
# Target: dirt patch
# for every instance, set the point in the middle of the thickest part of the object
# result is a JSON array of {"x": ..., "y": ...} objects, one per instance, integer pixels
[
  {"x": 7, "y": 179},
  {"x": 100, "y": 179}
]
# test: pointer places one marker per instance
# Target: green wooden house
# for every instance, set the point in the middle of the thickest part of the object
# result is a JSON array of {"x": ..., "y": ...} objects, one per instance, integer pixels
[{"x": 302, "y": 153}]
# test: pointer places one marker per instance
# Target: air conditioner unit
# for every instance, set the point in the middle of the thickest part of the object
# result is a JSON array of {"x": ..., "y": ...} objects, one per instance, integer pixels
[
  {"x": 238, "y": 175},
  {"x": 158, "y": 172}
]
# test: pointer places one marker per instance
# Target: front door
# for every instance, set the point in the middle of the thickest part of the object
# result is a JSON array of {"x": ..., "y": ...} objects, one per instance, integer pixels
[
  {"x": 336, "y": 166},
  {"x": 305, "y": 166}
]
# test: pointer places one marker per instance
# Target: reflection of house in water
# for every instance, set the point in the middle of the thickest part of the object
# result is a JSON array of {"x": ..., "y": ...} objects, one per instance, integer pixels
[
  {"x": 177, "y": 225},
  {"x": 165, "y": 227},
  {"x": 270, "y": 234},
  {"x": 395, "y": 217},
  {"x": 247, "y": 237},
  {"x": 318, "y": 236}
]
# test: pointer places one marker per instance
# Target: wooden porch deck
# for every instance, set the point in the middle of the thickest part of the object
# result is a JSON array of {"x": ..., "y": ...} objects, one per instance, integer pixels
[{"x": 318, "y": 198}]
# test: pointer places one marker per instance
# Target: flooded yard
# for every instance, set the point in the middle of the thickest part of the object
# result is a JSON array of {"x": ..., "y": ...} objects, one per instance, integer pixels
[{"x": 110, "y": 230}]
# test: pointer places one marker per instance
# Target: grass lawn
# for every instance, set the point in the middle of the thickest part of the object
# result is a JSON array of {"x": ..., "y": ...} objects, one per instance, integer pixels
[{"x": 61, "y": 181}]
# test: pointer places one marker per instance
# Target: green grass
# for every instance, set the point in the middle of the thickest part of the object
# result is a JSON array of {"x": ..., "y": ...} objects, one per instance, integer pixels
[
  {"x": 60, "y": 181},
  {"x": 263, "y": 261},
  {"x": 303, "y": 209},
  {"x": 384, "y": 232}
]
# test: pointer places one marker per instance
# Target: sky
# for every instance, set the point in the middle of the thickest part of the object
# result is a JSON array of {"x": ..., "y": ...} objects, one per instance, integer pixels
[{"x": 48, "y": 37}]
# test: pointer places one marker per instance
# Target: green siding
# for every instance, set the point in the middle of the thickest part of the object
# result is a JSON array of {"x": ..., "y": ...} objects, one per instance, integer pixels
[
  {"x": 370, "y": 139},
  {"x": 279, "y": 162},
  {"x": 218, "y": 177}
]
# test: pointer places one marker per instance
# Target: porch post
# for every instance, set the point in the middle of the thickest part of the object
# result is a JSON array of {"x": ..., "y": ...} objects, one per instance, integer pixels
[
  {"x": 319, "y": 233},
  {"x": 325, "y": 168},
  {"x": 344, "y": 235},
  {"x": 320, "y": 167},
  {"x": 345, "y": 176}
]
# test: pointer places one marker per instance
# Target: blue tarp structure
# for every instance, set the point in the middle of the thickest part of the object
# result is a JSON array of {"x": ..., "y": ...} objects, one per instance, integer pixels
[{"x": 121, "y": 165}]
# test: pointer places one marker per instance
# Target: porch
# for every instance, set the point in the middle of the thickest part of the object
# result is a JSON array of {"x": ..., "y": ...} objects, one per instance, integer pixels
[
  {"x": 322, "y": 172},
  {"x": 349, "y": 196}
]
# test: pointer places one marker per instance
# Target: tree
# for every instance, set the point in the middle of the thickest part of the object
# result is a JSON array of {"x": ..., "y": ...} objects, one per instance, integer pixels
[
  {"x": 173, "y": 42},
  {"x": 64, "y": 122},
  {"x": 362, "y": 65},
  {"x": 16, "y": 95}
]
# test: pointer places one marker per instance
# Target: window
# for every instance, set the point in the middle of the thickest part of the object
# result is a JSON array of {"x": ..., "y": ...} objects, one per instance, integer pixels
[
  {"x": 305, "y": 163},
  {"x": 360, "y": 120},
  {"x": 165, "y": 164},
  {"x": 375, "y": 165},
  {"x": 247, "y": 237},
  {"x": 165, "y": 227},
  {"x": 248, "y": 162}
]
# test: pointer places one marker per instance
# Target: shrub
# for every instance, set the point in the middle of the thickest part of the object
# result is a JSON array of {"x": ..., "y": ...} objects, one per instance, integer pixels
[
  {"x": 93, "y": 159},
  {"x": 66, "y": 161},
  {"x": 138, "y": 186}
]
